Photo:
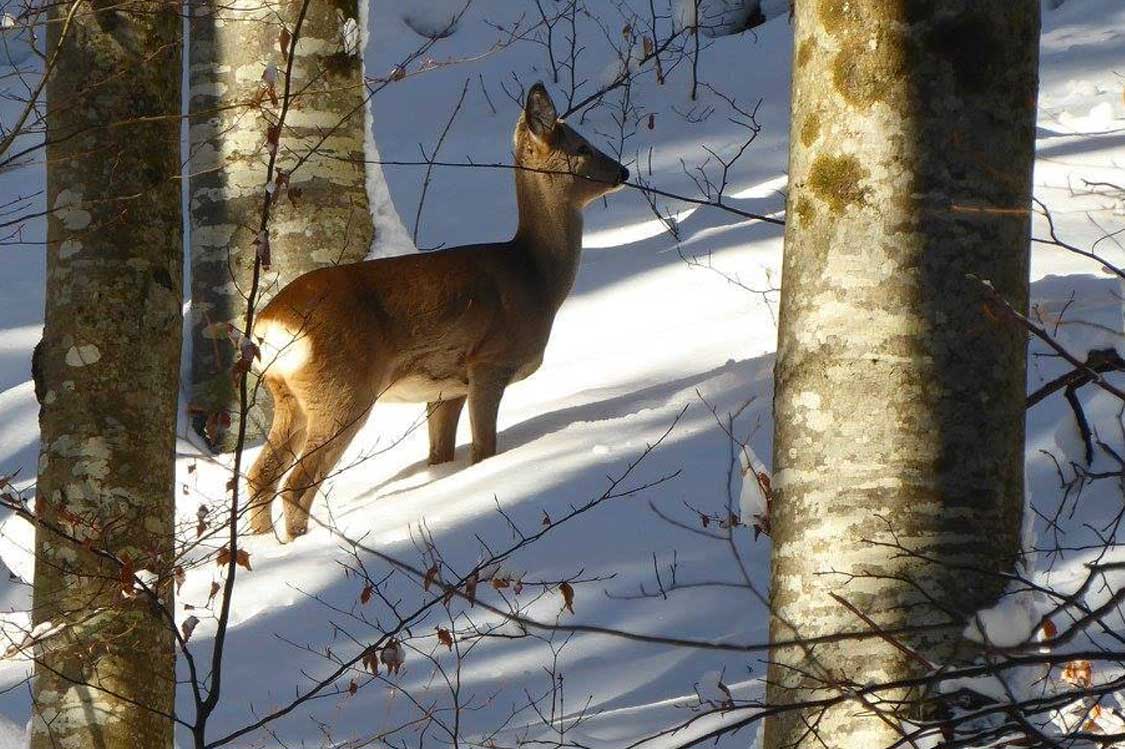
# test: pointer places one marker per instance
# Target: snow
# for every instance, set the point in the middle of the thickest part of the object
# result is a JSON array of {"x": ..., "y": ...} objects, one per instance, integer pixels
[
  {"x": 654, "y": 325},
  {"x": 433, "y": 19},
  {"x": 391, "y": 237},
  {"x": 12, "y": 736},
  {"x": 15, "y": 46}
]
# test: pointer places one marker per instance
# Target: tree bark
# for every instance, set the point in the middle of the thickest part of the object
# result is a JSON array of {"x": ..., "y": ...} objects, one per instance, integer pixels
[
  {"x": 323, "y": 217},
  {"x": 107, "y": 373},
  {"x": 899, "y": 405}
]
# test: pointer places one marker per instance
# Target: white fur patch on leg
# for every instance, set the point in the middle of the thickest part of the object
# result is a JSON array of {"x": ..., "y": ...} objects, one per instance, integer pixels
[{"x": 283, "y": 351}]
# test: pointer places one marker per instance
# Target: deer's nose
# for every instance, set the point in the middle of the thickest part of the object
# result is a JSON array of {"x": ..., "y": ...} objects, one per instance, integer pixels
[{"x": 624, "y": 175}]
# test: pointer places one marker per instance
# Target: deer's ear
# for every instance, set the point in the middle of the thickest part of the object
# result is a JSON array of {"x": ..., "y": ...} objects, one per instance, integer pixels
[{"x": 539, "y": 112}]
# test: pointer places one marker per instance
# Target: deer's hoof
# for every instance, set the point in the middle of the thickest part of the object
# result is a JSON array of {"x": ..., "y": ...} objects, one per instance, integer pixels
[
  {"x": 294, "y": 531},
  {"x": 477, "y": 455}
]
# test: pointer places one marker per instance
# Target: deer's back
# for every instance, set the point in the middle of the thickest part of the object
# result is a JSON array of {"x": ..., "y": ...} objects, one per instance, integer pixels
[{"x": 418, "y": 320}]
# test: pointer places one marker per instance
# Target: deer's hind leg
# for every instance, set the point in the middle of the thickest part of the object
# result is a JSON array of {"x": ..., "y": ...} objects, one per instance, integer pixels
[
  {"x": 284, "y": 443},
  {"x": 332, "y": 426}
]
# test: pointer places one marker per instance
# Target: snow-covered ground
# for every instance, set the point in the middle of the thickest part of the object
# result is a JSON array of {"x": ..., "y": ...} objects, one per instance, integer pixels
[{"x": 654, "y": 325}]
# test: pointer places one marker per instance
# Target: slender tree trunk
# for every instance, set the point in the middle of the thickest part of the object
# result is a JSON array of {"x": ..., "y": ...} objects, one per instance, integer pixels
[
  {"x": 321, "y": 219},
  {"x": 899, "y": 400},
  {"x": 106, "y": 374}
]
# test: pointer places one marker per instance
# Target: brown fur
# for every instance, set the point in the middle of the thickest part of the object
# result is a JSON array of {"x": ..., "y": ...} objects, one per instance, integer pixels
[{"x": 441, "y": 327}]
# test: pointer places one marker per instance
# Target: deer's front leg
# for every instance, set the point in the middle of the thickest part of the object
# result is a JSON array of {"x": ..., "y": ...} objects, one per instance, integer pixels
[
  {"x": 442, "y": 420},
  {"x": 486, "y": 388}
]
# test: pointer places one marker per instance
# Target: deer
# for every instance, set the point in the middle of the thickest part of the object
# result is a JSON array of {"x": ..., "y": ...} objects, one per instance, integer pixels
[{"x": 443, "y": 327}]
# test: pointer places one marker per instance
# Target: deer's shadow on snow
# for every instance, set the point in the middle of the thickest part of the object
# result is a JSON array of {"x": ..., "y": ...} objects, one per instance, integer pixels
[{"x": 615, "y": 406}]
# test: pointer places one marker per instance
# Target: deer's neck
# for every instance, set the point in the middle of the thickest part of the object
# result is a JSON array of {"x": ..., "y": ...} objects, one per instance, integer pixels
[{"x": 550, "y": 232}]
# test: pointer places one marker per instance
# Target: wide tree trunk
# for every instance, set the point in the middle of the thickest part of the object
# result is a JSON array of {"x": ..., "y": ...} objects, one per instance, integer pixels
[
  {"x": 899, "y": 399},
  {"x": 321, "y": 219},
  {"x": 106, "y": 375}
]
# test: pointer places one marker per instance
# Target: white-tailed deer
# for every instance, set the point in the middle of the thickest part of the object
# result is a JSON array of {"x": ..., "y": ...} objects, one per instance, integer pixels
[{"x": 436, "y": 328}]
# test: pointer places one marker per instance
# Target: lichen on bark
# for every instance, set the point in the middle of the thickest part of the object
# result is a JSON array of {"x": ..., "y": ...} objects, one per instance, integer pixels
[
  {"x": 106, "y": 374},
  {"x": 322, "y": 219},
  {"x": 836, "y": 180}
]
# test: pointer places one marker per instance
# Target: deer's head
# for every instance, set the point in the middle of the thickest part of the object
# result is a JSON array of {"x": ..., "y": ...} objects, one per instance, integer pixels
[{"x": 552, "y": 153}]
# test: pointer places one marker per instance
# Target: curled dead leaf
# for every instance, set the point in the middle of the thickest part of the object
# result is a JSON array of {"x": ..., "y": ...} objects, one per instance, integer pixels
[
  {"x": 189, "y": 626},
  {"x": 567, "y": 591},
  {"x": 431, "y": 575},
  {"x": 471, "y": 589},
  {"x": 393, "y": 656},
  {"x": 241, "y": 558},
  {"x": 370, "y": 660},
  {"x": 127, "y": 573},
  {"x": 283, "y": 40},
  {"x": 201, "y": 520}
]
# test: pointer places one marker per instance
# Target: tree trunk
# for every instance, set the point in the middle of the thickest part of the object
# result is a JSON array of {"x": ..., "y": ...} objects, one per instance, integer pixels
[
  {"x": 321, "y": 219},
  {"x": 106, "y": 373},
  {"x": 899, "y": 399}
]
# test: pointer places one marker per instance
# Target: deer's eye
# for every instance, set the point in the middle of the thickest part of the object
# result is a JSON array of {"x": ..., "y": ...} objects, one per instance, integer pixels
[{"x": 584, "y": 150}]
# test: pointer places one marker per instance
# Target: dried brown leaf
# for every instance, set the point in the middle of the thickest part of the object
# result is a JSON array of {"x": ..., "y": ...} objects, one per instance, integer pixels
[
  {"x": 127, "y": 573},
  {"x": 431, "y": 575},
  {"x": 188, "y": 626},
  {"x": 471, "y": 589},
  {"x": 567, "y": 591},
  {"x": 283, "y": 40}
]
